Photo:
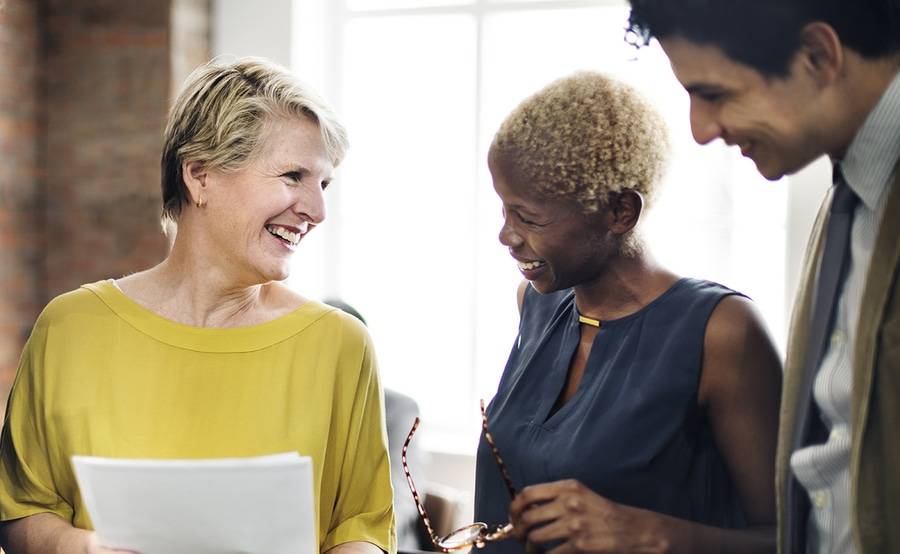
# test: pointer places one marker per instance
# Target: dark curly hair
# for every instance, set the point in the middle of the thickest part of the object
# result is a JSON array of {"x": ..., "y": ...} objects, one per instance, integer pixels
[{"x": 765, "y": 34}]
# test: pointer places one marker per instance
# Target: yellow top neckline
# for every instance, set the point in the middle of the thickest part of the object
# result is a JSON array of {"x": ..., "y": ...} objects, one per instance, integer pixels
[{"x": 207, "y": 339}]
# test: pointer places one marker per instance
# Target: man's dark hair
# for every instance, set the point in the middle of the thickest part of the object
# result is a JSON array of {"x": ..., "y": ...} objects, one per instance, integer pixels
[{"x": 765, "y": 34}]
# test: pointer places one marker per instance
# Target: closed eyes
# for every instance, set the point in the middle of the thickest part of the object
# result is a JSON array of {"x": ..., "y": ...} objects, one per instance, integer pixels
[{"x": 525, "y": 220}]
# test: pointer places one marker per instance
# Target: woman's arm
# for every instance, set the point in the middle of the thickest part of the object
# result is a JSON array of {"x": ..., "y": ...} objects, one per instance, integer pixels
[
  {"x": 740, "y": 388},
  {"x": 48, "y": 534},
  {"x": 363, "y": 508},
  {"x": 520, "y": 293}
]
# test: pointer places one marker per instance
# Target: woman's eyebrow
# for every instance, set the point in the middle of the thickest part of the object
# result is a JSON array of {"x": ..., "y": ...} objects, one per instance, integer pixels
[
  {"x": 523, "y": 209},
  {"x": 293, "y": 167}
]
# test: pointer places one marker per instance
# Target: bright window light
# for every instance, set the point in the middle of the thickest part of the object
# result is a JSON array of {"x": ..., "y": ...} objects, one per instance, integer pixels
[{"x": 411, "y": 239}]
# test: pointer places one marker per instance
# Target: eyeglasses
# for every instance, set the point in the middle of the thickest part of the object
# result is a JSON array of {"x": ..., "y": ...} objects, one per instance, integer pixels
[{"x": 472, "y": 535}]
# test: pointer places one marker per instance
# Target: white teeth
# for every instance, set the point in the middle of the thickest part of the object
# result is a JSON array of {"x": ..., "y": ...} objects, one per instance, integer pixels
[
  {"x": 304, "y": 227},
  {"x": 290, "y": 237},
  {"x": 529, "y": 265}
]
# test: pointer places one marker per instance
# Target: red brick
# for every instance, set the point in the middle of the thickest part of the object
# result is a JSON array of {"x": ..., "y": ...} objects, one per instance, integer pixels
[{"x": 84, "y": 90}]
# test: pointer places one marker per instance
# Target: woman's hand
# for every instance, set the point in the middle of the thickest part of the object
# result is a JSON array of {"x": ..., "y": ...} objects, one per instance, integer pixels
[
  {"x": 584, "y": 521},
  {"x": 47, "y": 533}
]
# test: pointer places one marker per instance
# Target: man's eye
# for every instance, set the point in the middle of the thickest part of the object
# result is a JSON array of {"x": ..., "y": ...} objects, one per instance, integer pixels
[{"x": 711, "y": 96}]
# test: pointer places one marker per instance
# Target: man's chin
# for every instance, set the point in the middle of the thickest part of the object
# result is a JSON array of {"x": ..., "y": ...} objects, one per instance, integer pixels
[
  {"x": 772, "y": 176},
  {"x": 775, "y": 169},
  {"x": 770, "y": 171}
]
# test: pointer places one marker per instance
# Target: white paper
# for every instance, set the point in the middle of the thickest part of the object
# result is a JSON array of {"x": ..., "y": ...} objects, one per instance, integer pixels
[{"x": 255, "y": 505}]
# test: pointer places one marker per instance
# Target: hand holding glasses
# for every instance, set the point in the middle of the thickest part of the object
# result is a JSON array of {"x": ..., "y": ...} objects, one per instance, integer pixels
[{"x": 475, "y": 534}]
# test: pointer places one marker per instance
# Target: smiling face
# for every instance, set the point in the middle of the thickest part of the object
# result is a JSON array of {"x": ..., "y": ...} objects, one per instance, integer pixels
[
  {"x": 777, "y": 122},
  {"x": 254, "y": 218},
  {"x": 555, "y": 244}
]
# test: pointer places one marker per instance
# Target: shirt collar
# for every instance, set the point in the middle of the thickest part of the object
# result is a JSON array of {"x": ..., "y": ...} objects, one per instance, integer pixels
[{"x": 872, "y": 155}]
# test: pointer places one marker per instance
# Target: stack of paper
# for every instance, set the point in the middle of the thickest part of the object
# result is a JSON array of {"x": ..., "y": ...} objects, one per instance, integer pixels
[{"x": 236, "y": 505}]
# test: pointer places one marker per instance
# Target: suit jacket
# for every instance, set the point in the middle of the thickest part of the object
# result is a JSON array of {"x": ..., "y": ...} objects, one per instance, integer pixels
[{"x": 875, "y": 399}]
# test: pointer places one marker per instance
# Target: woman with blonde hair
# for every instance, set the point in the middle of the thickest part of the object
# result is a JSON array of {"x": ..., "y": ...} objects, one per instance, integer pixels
[
  {"x": 208, "y": 354},
  {"x": 638, "y": 409}
]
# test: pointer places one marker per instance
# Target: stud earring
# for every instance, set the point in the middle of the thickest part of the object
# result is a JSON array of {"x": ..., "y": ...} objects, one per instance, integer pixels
[{"x": 199, "y": 201}]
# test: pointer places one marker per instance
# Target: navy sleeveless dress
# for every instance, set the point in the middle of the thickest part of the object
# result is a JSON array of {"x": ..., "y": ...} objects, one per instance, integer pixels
[{"x": 633, "y": 431}]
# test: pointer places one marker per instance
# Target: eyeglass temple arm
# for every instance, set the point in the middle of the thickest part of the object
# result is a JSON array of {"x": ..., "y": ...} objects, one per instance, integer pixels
[
  {"x": 500, "y": 465},
  {"x": 412, "y": 488}
]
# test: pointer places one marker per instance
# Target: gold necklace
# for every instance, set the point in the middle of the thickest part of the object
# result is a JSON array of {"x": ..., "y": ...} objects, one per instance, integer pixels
[{"x": 588, "y": 321}]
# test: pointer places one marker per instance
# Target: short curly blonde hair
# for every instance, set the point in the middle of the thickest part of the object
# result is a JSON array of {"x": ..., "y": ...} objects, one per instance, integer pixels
[
  {"x": 220, "y": 115},
  {"x": 585, "y": 137}
]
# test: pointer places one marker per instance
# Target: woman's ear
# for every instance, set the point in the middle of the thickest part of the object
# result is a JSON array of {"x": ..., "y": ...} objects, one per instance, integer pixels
[
  {"x": 195, "y": 176},
  {"x": 625, "y": 207}
]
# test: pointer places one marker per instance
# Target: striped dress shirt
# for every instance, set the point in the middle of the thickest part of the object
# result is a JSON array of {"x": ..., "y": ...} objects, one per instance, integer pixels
[{"x": 824, "y": 469}]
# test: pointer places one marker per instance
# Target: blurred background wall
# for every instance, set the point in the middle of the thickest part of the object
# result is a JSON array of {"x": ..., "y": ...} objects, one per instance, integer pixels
[{"x": 84, "y": 90}]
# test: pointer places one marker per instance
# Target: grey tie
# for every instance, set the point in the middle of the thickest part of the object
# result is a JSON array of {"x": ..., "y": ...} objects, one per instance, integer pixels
[{"x": 810, "y": 428}]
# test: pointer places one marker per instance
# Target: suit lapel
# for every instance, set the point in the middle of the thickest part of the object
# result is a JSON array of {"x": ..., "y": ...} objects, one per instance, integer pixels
[
  {"x": 793, "y": 399},
  {"x": 880, "y": 280}
]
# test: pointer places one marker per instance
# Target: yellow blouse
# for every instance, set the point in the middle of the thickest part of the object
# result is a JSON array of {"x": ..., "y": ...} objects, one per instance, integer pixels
[{"x": 103, "y": 376}]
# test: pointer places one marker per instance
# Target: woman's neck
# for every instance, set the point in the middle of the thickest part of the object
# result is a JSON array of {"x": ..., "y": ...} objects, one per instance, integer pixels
[
  {"x": 198, "y": 292},
  {"x": 628, "y": 284}
]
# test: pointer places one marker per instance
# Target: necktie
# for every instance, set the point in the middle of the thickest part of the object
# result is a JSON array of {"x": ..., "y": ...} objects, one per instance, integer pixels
[{"x": 833, "y": 266}]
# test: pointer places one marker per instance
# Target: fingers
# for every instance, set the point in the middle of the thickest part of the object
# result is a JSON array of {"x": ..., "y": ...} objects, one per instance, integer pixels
[
  {"x": 536, "y": 516},
  {"x": 571, "y": 515},
  {"x": 560, "y": 529},
  {"x": 563, "y": 512},
  {"x": 579, "y": 536},
  {"x": 545, "y": 492}
]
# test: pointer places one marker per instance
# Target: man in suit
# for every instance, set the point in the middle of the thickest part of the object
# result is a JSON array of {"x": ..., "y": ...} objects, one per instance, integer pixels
[{"x": 788, "y": 81}]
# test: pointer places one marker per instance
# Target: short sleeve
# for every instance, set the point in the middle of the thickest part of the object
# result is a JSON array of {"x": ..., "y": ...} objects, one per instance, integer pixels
[
  {"x": 364, "y": 505},
  {"x": 26, "y": 478}
]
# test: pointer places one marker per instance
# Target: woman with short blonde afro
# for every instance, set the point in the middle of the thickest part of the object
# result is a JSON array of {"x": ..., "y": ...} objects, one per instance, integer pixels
[
  {"x": 638, "y": 408},
  {"x": 586, "y": 137}
]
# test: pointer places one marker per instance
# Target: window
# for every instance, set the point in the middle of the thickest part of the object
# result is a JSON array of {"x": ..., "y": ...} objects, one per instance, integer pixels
[{"x": 411, "y": 236}]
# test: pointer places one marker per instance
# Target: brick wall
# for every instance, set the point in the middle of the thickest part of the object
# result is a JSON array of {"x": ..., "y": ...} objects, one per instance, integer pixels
[
  {"x": 107, "y": 85},
  {"x": 81, "y": 139},
  {"x": 21, "y": 228}
]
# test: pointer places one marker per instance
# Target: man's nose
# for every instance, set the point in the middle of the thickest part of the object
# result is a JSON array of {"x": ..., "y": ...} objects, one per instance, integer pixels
[{"x": 704, "y": 123}]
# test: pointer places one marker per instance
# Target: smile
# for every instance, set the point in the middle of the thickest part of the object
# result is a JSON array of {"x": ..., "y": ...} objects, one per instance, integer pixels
[
  {"x": 528, "y": 266},
  {"x": 286, "y": 234}
]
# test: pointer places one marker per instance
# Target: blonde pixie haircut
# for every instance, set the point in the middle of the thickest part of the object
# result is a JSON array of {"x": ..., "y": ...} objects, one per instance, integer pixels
[
  {"x": 585, "y": 137},
  {"x": 219, "y": 119}
]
